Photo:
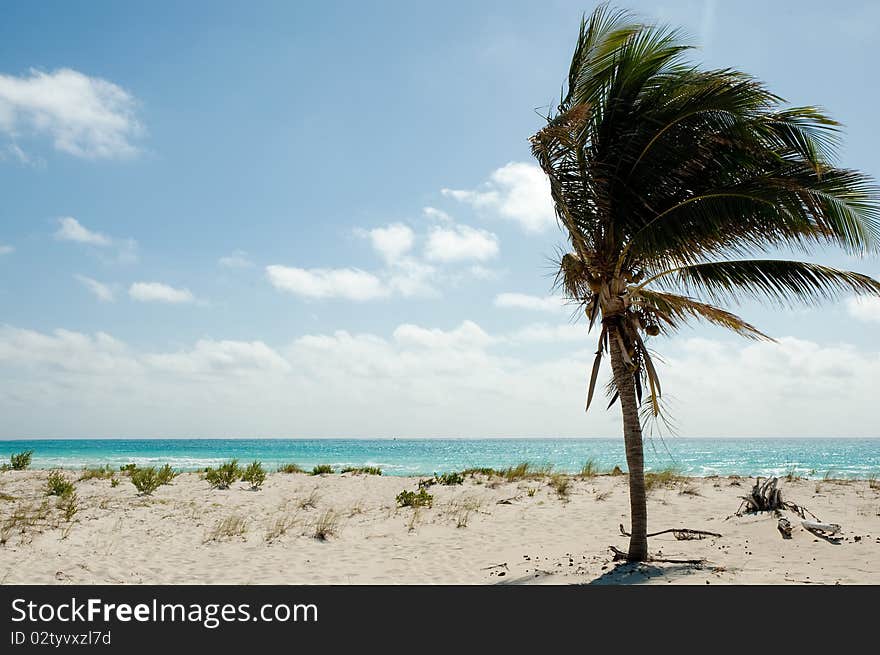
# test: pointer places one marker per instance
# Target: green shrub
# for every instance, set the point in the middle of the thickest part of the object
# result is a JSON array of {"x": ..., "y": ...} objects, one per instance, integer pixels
[
  {"x": 413, "y": 499},
  {"x": 99, "y": 472},
  {"x": 127, "y": 468},
  {"x": 166, "y": 474},
  {"x": 449, "y": 479},
  {"x": 145, "y": 479},
  {"x": 58, "y": 485},
  {"x": 321, "y": 469},
  {"x": 224, "y": 475},
  {"x": 290, "y": 468},
  {"x": 254, "y": 474},
  {"x": 362, "y": 470},
  {"x": 20, "y": 461},
  {"x": 114, "y": 482}
]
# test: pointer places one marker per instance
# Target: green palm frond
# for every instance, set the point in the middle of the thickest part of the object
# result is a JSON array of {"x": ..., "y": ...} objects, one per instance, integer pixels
[
  {"x": 780, "y": 281},
  {"x": 675, "y": 311}
]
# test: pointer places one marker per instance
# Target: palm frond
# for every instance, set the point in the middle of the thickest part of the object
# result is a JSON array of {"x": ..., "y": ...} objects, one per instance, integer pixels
[
  {"x": 780, "y": 281},
  {"x": 675, "y": 311}
]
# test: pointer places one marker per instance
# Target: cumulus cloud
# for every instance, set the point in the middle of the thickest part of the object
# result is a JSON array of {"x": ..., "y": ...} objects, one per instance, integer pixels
[
  {"x": 517, "y": 191},
  {"x": 84, "y": 116},
  {"x": 419, "y": 381},
  {"x": 322, "y": 283},
  {"x": 392, "y": 241},
  {"x": 101, "y": 291},
  {"x": 158, "y": 292},
  {"x": 460, "y": 243},
  {"x": 210, "y": 357},
  {"x": 532, "y": 303},
  {"x": 70, "y": 229},
  {"x": 238, "y": 259},
  {"x": 438, "y": 215},
  {"x": 864, "y": 308}
]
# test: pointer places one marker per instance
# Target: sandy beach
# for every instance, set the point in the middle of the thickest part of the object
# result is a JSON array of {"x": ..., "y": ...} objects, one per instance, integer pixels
[{"x": 484, "y": 531}]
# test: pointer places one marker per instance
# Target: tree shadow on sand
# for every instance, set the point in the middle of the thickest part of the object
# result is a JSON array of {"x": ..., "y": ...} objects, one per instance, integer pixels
[{"x": 640, "y": 573}]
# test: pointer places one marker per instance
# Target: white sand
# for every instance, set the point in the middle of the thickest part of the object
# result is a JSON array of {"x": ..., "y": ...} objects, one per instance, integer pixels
[{"x": 119, "y": 537}]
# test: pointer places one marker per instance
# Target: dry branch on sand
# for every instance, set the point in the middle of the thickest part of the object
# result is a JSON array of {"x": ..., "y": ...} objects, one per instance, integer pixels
[{"x": 682, "y": 534}]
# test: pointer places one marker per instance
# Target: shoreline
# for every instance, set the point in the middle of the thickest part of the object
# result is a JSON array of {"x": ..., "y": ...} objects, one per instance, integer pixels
[{"x": 349, "y": 529}]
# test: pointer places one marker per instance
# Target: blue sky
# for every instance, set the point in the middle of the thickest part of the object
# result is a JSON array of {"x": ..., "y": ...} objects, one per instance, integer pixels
[{"x": 322, "y": 219}]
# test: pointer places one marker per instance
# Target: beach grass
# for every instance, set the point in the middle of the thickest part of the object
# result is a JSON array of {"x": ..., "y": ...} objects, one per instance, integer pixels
[
  {"x": 561, "y": 484},
  {"x": 322, "y": 469},
  {"x": 291, "y": 468},
  {"x": 327, "y": 525},
  {"x": 281, "y": 525},
  {"x": 362, "y": 470},
  {"x": 661, "y": 478},
  {"x": 104, "y": 472},
  {"x": 310, "y": 501},
  {"x": 590, "y": 469},
  {"x": 234, "y": 525}
]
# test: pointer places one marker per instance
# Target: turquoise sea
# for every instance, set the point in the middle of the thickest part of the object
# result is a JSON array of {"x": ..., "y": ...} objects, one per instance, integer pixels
[{"x": 810, "y": 457}]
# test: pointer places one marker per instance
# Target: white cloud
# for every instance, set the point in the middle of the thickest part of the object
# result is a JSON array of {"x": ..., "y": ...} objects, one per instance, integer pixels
[
  {"x": 410, "y": 277},
  {"x": 102, "y": 292},
  {"x": 418, "y": 381},
  {"x": 466, "y": 335},
  {"x": 516, "y": 191},
  {"x": 437, "y": 215},
  {"x": 460, "y": 243},
  {"x": 320, "y": 283},
  {"x": 392, "y": 241},
  {"x": 158, "y": 292},
  {"x": 864, "y": 308},
  {"x": 210, "y": 357},
  {"x": 532, "y": 303},
  {"x": 70, "y": 229},
  {"x": 238, "y": 259},
  {"x": 84, "y": 116},
  {"x": 124, "y": 251},
  {"x": 6, "y": 250}
]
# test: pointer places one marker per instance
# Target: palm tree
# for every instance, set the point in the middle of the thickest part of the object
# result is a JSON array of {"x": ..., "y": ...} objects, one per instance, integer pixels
[{"x": 672, "y": 184}]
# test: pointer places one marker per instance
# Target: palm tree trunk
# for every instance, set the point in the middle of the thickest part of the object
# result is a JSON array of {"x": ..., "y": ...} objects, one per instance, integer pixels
[{"x": 635, "y": 460}]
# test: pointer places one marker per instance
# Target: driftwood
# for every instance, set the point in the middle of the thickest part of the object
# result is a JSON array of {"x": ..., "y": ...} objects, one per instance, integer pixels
[
  {"x": 766, "y": 497},
  {"x": 620, "y": 555},
  {"x": 503, "y": 565},
  {"x": 830, "y": 528},
  {"x": 682, "y": 534},
  {"x": 784, "y": 526}
]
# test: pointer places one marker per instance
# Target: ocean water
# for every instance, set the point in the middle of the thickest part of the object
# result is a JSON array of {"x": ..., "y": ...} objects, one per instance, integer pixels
[{"x": 809, "y": 457}]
